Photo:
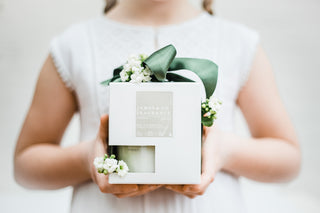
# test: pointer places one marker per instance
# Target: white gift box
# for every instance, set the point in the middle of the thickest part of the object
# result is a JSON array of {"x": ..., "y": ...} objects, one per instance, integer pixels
[{"x": 156, "y": 130}]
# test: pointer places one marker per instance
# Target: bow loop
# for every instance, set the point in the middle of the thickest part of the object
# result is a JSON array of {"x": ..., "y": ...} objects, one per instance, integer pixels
[{"x": 159, "y": 61}]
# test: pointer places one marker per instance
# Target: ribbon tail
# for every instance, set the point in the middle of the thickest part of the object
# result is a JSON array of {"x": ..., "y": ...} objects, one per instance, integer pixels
[
  {"x": 177, "y": 78},
  {"x": 205, "y": 69}
]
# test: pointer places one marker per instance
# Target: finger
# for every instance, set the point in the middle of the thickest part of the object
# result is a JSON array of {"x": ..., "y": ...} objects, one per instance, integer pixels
[
  {"x": 179, "y": 189},
  {"x": 105, "y": 187},
  {"x": 102, "y": 182},
  {"x": 143, "y": 189},
  {"x": 199, "y": 189},
  {"x": 103, "y": 130},
  {"x": 175, "y": 188},
  {"x": 123, "y": 188}
]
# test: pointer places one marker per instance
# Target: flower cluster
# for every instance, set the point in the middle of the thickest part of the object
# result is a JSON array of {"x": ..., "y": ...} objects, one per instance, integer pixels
[
  {"x": 209, "y": 109},
  {"x": 108, "y": 165},
  {"x": 134, "y": 71}
]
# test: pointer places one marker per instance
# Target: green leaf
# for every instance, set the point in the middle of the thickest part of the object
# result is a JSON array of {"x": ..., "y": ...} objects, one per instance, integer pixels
[
  {"x": 105, "y": 156},
  {"x": 207, "y": 121},
  {"x": 115, "y": 78},
  {"x": 117, "y": 70},
  {"x": 106, "y": 82}
]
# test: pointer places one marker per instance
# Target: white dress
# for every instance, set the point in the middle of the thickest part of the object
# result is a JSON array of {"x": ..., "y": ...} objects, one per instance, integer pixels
[{"x": 87, "y": 53}]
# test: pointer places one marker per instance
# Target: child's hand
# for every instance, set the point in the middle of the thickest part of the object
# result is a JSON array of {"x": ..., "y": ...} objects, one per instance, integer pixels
[
  {"x": 213, "y": 158},
  {"x": 98, "y": 148}
]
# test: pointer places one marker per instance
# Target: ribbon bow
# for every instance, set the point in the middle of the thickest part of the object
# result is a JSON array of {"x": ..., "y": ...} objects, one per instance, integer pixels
[{"x": 162, "y": 61}]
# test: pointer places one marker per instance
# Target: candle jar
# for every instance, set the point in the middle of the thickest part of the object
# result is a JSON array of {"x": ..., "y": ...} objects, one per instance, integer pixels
[{"x": 138, "y": 158}]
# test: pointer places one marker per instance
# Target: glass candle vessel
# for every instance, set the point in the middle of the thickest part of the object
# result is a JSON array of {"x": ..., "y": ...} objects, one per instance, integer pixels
[{"x": 138, "y": 158}]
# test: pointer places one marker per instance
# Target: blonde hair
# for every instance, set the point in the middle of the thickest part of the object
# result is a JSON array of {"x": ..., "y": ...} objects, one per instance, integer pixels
[{"x": 206, "y": 5}]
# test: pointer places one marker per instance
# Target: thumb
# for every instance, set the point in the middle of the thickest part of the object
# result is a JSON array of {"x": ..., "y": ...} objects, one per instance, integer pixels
[
  {"x": 103, "y": 129},
  {"x": 204, "y": 132}
]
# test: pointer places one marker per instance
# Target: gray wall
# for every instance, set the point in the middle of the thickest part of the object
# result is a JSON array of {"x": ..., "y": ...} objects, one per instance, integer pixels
[{"x": 289, "y": 31}]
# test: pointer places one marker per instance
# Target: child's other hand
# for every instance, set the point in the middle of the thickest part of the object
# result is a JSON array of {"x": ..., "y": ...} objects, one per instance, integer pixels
[
  {"x": 213, "y": 158},
  {"x": 98, "y": 148}
]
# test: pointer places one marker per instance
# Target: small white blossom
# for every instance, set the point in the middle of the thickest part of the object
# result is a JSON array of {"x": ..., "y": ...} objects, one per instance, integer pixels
[
  {"x": 126, "y": 67},
  {"x": 147, "y": 74},
  {"x": 134, "y": 61},
  {"x": 146, "y": 78},
  {"x": 137, "y": 69},
  {"x": 98, "y": 163},
  {"x": 143, "y": 57},
  {"x": 214, "y": 103},
  {"x": 147, "y": 71},
  {"x": 137, "y": 77},
  {"x": 122, "y": 168},
  {"x": 124, "y": 76},
  {"x": 134, "y": 72},
  {"x": 134, "y": 57},
  {"x": 110, "y": 165}
]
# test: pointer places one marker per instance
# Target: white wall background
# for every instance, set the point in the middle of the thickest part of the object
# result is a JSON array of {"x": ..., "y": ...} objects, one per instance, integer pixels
[{"x": 290, "y": 34}]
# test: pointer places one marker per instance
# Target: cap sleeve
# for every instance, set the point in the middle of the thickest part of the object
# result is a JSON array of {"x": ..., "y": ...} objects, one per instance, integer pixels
[
  {"x": 250, "y": 42},
  {"x": 61, "y": 54}
]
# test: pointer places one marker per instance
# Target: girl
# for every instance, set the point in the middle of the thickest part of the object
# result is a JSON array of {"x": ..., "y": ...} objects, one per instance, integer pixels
[{"x": 86, "y": 54}]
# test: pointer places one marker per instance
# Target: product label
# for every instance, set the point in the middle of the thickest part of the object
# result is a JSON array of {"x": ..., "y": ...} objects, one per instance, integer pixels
[{"x": 154, "y": 114}]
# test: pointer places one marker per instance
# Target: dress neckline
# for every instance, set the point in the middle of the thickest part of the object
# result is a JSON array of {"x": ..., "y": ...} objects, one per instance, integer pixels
[{"x": 190, "y": 22}]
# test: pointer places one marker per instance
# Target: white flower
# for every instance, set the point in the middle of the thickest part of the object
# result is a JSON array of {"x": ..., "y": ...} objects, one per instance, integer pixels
[
  {"x": 214, "y": 103},
  {"x": 137, "y": 69},
  {"x": 146, "y": 78},
  {"x": 133, "y": 57},
  {"x": 134, "y": 61},
  {"x": 124, "y": 76},
  {"x": 122, "y": 168},
  {"x": 134, "y": 72},
  {"x": 147, "y": 74},
  {"x": 147, "y": 71},
  {"x": 137, "y": 77},
  {"x": 98, "y": 163},
  {"x": 143, "y": 57},
  {"x": 126, "y": 67},
  {"x": 110, "y": 165}
]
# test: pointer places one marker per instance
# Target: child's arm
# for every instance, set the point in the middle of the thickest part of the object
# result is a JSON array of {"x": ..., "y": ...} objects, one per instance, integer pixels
[
  {"x": 273, "y": 152},
  {"x": 271, "y": 155},
  {"x": 40, "y": 162}
]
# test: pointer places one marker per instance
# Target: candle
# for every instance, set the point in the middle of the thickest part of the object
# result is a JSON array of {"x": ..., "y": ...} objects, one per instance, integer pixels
[{"x": 138, "y": 158}]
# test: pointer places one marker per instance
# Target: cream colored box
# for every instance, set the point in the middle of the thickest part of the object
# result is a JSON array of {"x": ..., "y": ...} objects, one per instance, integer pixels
[{"x": 156, "y": 129}]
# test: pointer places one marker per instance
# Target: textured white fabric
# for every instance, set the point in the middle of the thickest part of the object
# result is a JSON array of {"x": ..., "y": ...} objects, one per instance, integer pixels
[{"x": 87, "y": 53}]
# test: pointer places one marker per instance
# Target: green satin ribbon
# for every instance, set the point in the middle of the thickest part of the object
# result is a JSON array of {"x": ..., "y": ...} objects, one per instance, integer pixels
[{"x": 163, "y": 62}]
